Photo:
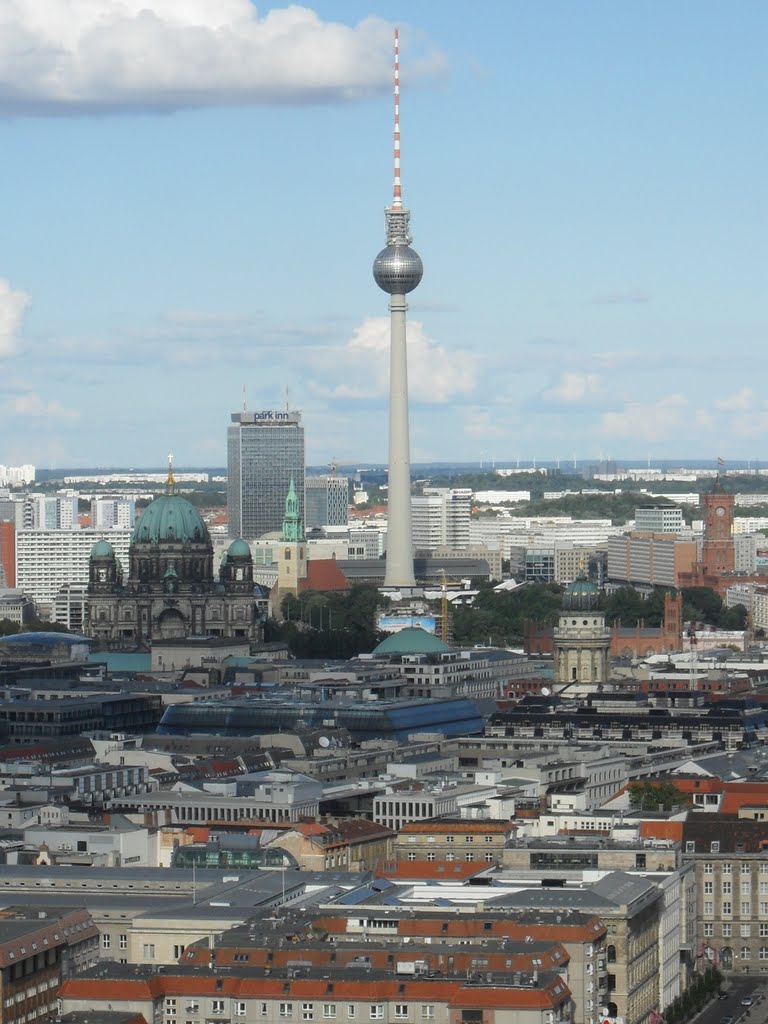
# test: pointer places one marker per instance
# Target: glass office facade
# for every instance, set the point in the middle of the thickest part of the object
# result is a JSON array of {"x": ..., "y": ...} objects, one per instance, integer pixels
[
  {"x": 265, "y": 451},
  {"x": 395, "y": 719}
]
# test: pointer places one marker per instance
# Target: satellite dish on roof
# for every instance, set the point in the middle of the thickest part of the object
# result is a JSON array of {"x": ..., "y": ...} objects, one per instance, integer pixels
[
  {"x": 545, "y": 691},
  {"x": 324, "y": 742}
]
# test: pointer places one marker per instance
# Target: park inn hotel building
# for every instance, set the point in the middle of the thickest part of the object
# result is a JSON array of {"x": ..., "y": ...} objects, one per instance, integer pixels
[{"x": 265, "y": 452}]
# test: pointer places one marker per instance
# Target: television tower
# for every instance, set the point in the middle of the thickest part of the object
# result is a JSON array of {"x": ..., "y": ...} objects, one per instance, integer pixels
[{"x": 397, "y": 270}]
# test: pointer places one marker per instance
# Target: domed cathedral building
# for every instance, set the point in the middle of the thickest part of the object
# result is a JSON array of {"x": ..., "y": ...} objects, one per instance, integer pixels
[
  {"x": 171, "y": 590},
  {"x": 582, "y": 641}
]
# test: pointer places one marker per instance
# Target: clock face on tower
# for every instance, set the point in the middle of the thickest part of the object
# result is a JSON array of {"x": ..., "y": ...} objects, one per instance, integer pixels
[{"x": 719, "y": 511}]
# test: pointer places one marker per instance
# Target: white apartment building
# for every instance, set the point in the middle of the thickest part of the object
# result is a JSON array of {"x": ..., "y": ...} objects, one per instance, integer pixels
[
  {"x": 69, "y": 606},
  {"x": 509, "y": 532},
  {"x": 52, "y": 512},
  {"x": 441, "y": 516},
  {"x": 760, "y": 608},
  {"x": 741, "y": 593},
  {"x": 107, "y": 513},
  {"x": 658, "y": 519},
  {"x": 46, "y": 560},
  {"x": 16, "y": 476},
  {"x": 501, "y": 497}
]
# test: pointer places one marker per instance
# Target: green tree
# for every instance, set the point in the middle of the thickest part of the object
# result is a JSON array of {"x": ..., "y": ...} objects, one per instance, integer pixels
[
  {"x": 650, "y": 795},
  {"x": 700, "y": 604},
  {"x": 624, "y": 606},
  {"x": 733, "y": 618}
]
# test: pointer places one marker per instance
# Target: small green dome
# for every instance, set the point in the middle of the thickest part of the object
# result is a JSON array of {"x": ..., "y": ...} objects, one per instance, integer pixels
[
  {"x": 238, "y": 549},
  {"x": 102, "y": 549},
  {"x": 170, "y": 518},
  {"x": 411, "y": 640},
  {"x": 580, "y": 596}
]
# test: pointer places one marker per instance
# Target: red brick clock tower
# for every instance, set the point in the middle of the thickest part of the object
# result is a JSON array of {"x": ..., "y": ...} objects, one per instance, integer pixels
[{"x": 717, "y": 553}]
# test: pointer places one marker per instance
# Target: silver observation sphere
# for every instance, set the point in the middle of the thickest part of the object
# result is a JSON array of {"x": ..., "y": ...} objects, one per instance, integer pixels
[{"x": 397, "y": 269}]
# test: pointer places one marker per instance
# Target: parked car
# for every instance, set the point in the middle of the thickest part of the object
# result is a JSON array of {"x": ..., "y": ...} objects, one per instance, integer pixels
[{"x": 746, "y": 1001}]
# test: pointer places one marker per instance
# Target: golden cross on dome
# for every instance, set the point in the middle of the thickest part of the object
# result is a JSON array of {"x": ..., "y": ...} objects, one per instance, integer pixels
[{"x": 170, "y": 483}]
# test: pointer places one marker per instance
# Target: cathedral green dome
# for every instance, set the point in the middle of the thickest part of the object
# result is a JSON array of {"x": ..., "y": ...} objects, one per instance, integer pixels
[
  {"x": 580, "y": 596},
  {"x": 102, "y": 549},
  {"x": 238, "y": 549},
  {"x": 170, "y": 518}
]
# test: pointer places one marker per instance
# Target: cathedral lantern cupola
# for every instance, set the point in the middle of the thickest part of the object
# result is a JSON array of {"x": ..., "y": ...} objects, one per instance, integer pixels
[
  {"x": 236, "y": 571},
  {"x": 104, "y": 569}
]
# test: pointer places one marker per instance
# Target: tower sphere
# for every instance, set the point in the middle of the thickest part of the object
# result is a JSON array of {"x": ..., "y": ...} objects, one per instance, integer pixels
[{"x": 397, "y": 269}]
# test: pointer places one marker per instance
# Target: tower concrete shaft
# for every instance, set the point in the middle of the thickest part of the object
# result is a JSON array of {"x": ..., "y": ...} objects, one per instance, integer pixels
[{"x": 399, "y": 568}]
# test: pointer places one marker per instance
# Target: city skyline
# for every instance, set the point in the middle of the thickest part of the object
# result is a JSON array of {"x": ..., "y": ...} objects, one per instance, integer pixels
[{"x": 587, "y": 195}]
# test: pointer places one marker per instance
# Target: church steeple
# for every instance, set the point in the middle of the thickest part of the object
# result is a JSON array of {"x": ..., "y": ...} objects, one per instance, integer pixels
[{"x": 292, "y": 525}]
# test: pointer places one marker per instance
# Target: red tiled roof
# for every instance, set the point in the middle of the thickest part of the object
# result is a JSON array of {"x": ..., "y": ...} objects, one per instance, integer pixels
[
  {"x": 476, "y": 827},
  {"x": 199, "y": 833},
  {"x": 455, "y": 993},
  {"x": 743, "y": 794},
  {"x": 324, "y": 574}
]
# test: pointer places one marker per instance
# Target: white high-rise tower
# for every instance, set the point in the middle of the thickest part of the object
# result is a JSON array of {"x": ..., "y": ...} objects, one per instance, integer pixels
[{"x": 397, "y": 270}]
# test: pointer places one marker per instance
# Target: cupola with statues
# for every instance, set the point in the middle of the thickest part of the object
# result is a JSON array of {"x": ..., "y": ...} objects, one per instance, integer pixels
[{"x": 581, "y": 639}]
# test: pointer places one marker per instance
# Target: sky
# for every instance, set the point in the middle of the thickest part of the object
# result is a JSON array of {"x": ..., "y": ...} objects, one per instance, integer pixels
[{"x": 193, "y": 195}]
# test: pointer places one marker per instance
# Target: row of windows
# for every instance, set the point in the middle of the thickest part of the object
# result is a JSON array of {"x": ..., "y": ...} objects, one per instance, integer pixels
[
  {"x": 726, "y": 908},
  {"x": 469, "y": 856},
  {"x": 745, "y": 930},
  {"x": 726, "y": 867},
  {"x": 306, "y": 1011},
  {"x": 329, "y": 1011}
]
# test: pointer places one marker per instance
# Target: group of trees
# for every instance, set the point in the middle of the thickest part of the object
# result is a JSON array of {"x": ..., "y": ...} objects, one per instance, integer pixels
[
  {"x": 8, "y": 628},
  {"x": 499, "y": 617},
  {"x": 652, "y": 795},
  {"x": 626, "y": 606},
  {"x": 694, "y": 999},
  {"x": 337, "y": 624}
]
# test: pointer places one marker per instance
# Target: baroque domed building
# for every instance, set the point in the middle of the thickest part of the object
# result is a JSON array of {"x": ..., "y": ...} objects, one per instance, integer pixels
[
  {"x": 171, "y": 590},
  {"x": 581, "y": 641}
]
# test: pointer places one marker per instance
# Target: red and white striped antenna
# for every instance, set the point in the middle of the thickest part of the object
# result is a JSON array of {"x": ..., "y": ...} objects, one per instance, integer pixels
[{"x": 397, "y": 199}]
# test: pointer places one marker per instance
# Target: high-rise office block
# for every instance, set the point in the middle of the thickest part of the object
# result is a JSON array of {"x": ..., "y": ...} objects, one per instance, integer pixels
[
  {"x": 397, "y": 270},
  {"x": 109, "y": 512},
  {"x": 265, "y": 451},
  {"x": 327, "y": 501},
  {"x": 50, "y": 512},
  {"x": 441, "y": 517}
]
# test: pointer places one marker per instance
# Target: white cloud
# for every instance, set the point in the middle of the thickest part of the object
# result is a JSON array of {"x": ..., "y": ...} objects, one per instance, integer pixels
[
  {"x": 481, "y": 424},
  {"x": 647, "y": 421},
  {"x": 750, "y": 424},
  {"x": 435, "y": 375},
  {"x": 573, "y": 387},
  {"x": 12, "y": 306},
  {"x": 740, "y": 402},
  {"x": 94, "y": 55},
  {"x": 33, "y": 405}
]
